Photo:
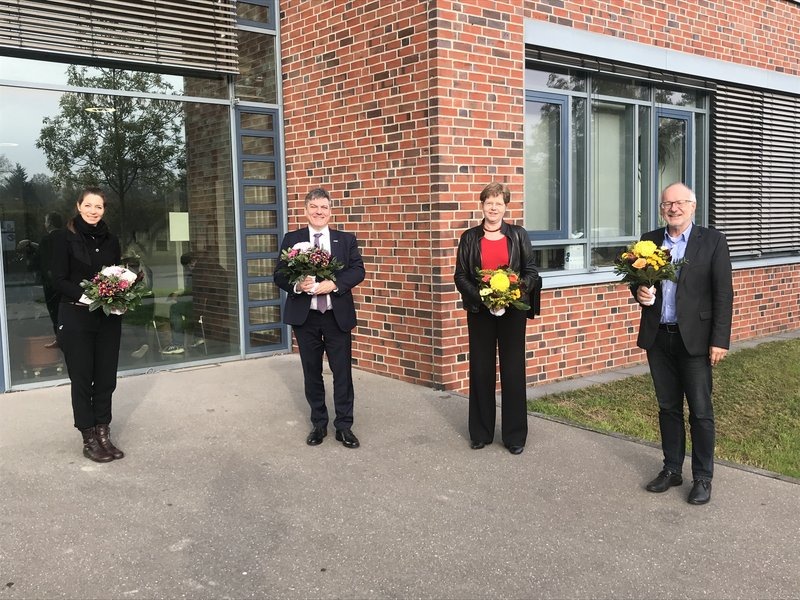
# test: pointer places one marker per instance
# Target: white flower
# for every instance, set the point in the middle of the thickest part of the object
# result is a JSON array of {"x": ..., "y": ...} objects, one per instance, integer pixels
[
  {"x": 303, "y": 246},
  {"x": 119, "y": 272},
  {"x": 112, "y": 271}
]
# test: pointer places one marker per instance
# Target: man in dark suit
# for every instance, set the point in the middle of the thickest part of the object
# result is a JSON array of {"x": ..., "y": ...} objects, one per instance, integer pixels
[
  {"x": 323, "y": 315},
  {"x": 686, "y": 331}
]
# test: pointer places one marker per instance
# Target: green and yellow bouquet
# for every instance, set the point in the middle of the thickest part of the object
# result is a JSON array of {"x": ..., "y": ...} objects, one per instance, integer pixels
[{"x": 500, "y": 288}]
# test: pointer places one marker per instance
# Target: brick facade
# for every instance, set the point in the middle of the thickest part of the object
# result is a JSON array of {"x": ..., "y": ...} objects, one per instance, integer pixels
[{"x": 405, "y": 110}]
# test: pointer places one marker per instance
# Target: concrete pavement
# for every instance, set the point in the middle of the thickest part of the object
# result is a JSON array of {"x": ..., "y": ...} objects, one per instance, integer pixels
[{"x": 219, "y": 497}]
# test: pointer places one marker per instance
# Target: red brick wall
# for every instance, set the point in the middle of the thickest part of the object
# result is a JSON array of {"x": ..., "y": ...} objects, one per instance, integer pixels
[
  {"x": 756, "y": 33},
  {"x": 355, "y": 85},
  {"x": 405, "y": 110}
]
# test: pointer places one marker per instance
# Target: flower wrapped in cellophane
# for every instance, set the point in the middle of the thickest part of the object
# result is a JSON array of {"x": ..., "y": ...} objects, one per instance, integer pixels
[{"x": 115, "y": 289}]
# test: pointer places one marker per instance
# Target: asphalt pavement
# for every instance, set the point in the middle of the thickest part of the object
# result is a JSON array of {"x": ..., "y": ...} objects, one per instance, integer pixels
[{"x": 219, "y": 497}]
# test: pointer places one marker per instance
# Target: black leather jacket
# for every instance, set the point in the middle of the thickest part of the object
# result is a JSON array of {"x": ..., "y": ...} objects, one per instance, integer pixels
[{"x": 520, "y": 260}]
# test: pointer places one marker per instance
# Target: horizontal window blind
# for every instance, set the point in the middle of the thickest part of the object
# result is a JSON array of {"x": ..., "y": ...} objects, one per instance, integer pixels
[
  {"x": 196, "y": 35},
  {"x": 755, "y": 183}
]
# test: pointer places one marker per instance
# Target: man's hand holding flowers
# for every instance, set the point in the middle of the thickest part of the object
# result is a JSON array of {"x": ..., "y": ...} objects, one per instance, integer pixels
[
  {"x": 310, "y": 268},
  {"x": 499, "y": 289},
  {"x": 644, "y": 264}
]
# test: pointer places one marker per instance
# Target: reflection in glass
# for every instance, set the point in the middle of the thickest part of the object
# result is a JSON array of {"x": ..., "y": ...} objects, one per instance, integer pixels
[
  {"x": 579, "y": 166},
  {"x": 264, "y": 315},
  {"x": 565, "y": 79},
  {"x": 677, "y": 98},
  {"x": 257, "y": 121},
  {"x": 622, "y": 88},
  {"x": 259, "y": 194},
  {"x": 672, "y": 144},
  {"x": 258, "y": 170},
  {"x": 613, "y": 157},
  {"x": 257, "y": 79},
  {"x": 261, "y": 243},
  {"x": 542, "y": 166},
  {"x": 21, "y": 69},
  {"x": 258, "y": 145},
  {"x": 254, "y": 12},
  {"x": 153, "y": 157},
  {"x": 265, "y": 337},
  {"x": 263, "y": 291},
  {"x": 260, "y": 219},
  {"x": 256, "y": 267}
]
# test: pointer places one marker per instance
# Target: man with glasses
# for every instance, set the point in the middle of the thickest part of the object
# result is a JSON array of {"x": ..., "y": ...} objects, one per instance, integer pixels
[{"x": 685, "y": 332}]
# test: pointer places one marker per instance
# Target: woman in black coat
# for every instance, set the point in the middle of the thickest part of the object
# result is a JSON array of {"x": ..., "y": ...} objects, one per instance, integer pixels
[
  {"x": 89, "y": 339},
  {"x": 490, "y": 245}
]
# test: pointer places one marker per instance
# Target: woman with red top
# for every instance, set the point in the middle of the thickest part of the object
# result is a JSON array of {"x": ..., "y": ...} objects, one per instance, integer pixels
[{"x": 492, "y": 244}]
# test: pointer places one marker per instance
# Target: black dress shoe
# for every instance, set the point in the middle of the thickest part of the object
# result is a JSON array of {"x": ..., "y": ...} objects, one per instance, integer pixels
[
  {"x": 476, "y": 445},
  {"x": 665, "y": 480},
  {"x": 515, "y": 449},
  {"x": 316, "y": 436},
  {"x": 347, "y": 438},
  {"x": 701, "y": 492}
]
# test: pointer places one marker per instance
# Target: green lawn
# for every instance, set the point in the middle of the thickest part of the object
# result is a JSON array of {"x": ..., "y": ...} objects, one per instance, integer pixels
[{"x": 756, "y": 405}]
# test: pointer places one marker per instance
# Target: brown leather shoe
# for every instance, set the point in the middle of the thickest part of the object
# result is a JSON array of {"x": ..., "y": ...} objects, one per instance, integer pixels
[
  {"x": 92, "y": 448},
  {"x": 104, "y": 439}
]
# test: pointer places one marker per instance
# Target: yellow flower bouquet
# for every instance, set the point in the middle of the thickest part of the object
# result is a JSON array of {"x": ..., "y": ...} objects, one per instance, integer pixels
[
  {"x": 644, "y": 263},
  {"x": 500, "y": 288}
]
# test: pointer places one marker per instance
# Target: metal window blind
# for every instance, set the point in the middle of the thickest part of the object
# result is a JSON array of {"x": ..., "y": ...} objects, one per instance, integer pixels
[
  {"x": 755, "y": 183},
  {"x": 194, "y": 35}
]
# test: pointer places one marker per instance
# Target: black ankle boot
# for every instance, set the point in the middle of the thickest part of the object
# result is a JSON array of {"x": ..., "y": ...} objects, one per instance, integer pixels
[
  {"x": 104, "y": 439},
  {"x": 92, "y": 448}
]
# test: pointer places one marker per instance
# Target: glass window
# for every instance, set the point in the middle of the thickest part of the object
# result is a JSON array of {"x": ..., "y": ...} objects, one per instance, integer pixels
[
  {"x": 677, "y": 98},
  {"x": 257, "y": 79},
  {"x": 36, "y": 71},
  {"x": 543, "y": 121},
  {"x": 593, "y": 164},
  {"x": 257, "y": 12},
  {"x": 621, "y": 88},
  {"x": 558, "y": 79},
  {"x": 154, "y": 158}
]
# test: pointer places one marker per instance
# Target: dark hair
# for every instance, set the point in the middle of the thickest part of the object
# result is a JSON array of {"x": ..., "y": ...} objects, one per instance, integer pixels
[
  {"x": 54, "y": 220},
  {"x": 496, "y": 189},
  {"x": 316, "y": 194},
  {"x": 90, "y": 190}
]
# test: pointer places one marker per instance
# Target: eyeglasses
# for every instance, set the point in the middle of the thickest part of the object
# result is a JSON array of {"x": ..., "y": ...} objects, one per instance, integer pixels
[{"x": 678, "y": 203}]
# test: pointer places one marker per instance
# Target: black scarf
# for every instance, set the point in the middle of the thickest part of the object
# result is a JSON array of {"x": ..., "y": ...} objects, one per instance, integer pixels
[{"x": 87, "y": 237}]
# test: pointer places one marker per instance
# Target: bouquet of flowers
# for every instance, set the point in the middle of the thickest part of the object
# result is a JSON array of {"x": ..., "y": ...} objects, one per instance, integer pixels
[
  {"x": 115, "y": 289},
  {"x": 500, "y": 288},
  {"x": 304, "y": 260},
  {"x": 644, "y": 263}
]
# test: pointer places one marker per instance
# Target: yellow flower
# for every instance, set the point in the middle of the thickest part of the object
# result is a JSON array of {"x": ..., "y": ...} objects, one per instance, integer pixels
[
  {"x": 516, "y": 294},
  {"x": 644, "y": 248},
  {"x": 499, "y": 282}
]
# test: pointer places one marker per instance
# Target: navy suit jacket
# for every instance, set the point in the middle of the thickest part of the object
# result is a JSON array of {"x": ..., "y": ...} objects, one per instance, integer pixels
[
  {"x": 704, "y": 296},
  {"x": 344, "y": 246}
]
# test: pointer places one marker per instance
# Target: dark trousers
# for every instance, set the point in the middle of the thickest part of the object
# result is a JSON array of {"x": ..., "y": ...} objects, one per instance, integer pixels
[
  {"x": 317, "y": 336},
  {"x": 90, "y": 342},
  {"x": 677, "y": 374},
  {"x": 52, "y": 300},
  {"x": 489, "y": 335}
]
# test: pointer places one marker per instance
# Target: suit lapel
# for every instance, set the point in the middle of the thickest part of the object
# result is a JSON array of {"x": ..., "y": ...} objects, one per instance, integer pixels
[
  {"x": 692, "y": 248},
  {"x": 337, "y": 249}
]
